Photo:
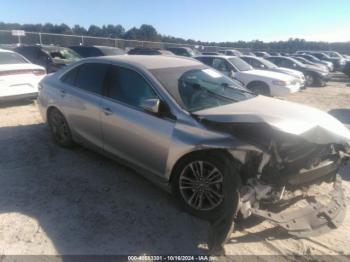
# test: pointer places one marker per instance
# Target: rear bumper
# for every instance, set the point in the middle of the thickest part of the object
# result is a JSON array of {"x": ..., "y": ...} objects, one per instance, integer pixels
[{"x": 17, "y": 97}]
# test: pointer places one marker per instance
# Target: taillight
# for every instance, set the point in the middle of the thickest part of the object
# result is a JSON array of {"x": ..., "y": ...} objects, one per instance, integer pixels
[{"x": 39, "y": 72}]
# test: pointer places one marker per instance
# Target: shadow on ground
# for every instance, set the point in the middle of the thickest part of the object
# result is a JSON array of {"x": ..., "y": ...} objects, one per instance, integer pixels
[
  {"x": 266, "y": 234},
  {"x": 16, "y": 103},
  {"x": 87, "y": 204}
]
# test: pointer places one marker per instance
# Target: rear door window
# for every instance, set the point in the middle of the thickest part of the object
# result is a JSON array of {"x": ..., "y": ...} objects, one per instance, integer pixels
[
  {"x": 70, "y": 77},
  {"x": 275, "y": 60},
  {"x": 255, "y": 63},
  {"x": 221, "y": 65},
  {"x": 206, "y": 60},
  {"x": 31, "y": 53},
  {"x": 90, "y": 77},
  {"x": 286, "y": 63}
]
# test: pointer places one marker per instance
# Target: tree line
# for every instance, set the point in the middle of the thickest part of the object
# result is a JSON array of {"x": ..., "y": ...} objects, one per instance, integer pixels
[{"x": 149, "y": 33}]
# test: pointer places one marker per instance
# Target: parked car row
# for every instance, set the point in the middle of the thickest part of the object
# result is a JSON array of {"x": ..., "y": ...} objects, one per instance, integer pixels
[
  {"x": 263, "y": 82},
  {"x": 271, "y": 74},
  {"x": 333, "y": 60}
]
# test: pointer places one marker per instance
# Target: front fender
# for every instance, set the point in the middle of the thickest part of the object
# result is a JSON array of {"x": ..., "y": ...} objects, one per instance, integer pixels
[{"x": 189, "y": 139}]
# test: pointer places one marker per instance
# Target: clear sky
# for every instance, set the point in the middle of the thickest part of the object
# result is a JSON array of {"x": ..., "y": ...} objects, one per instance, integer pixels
[{"x": 206, "y": 20}]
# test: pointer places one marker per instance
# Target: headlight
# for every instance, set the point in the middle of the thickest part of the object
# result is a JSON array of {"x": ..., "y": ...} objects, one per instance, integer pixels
[{"x": 280, "y": 83}]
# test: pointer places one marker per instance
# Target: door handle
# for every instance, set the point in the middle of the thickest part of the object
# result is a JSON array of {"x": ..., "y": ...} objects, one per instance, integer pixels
[
  {"x": 63, "y": 93},
  {"x": 107, "y": 111}
]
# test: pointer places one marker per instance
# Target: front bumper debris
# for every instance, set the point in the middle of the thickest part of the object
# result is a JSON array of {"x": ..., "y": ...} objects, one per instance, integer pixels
[{"x": 313, "y": 220}]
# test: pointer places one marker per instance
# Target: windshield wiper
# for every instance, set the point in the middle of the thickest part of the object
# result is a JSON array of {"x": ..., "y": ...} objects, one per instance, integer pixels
[
  {"x": 221, "y": 96},
  {"x": 240, "y": 89}
]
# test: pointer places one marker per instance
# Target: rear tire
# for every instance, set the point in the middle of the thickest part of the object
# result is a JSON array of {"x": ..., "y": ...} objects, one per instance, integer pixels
[
  {"x": 59, "y": 128},
  {"x": 259, "y": 88}
]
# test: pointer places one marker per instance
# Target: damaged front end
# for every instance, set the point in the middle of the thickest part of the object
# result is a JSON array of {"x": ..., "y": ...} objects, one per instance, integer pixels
[
  {"x": 289, "y": 181},
  {"x": 289, "y": 171}
]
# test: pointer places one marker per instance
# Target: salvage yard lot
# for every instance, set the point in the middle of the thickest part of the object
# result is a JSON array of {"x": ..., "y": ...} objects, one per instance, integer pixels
[{"x": 59, "y": 201}]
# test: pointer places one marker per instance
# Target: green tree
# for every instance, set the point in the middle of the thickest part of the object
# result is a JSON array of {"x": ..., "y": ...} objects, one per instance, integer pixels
[
  {"x": 148, "y": 33},
  {"x": 79, "y": 30},
  {"x": 95, "y": 30}
]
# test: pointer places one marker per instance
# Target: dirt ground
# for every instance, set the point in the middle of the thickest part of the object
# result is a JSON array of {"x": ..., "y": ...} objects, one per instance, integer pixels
[{"x": 58, "y": 201}]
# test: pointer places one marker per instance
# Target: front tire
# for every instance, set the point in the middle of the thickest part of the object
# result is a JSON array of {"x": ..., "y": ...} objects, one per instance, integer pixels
[
  {"x": 206, "y": 186},
  {"x": 310, "y": 79},
  {"x": 321, "y": 83},
  {"x": 59, "y": 128},
  {"x": 259, "y": 89}
]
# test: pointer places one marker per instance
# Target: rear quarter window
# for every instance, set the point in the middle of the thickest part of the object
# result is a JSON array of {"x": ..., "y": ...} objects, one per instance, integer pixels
[{"x": 70, "y": 77}]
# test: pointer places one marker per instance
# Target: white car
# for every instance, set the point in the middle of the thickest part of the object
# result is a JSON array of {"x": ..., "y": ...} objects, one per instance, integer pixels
[
  {"x": 259, "y": 81},
  {"x": 19, "y": 78},
  {"x": 263, "y": 64}
]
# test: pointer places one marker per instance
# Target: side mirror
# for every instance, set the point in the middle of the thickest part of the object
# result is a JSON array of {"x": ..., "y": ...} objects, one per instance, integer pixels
[
  {"x": 151, "y": 105},
  {"x": 228, "y": 73},
  {"x": 262, "y": 66},
  {"x": 294, "y": 65}
]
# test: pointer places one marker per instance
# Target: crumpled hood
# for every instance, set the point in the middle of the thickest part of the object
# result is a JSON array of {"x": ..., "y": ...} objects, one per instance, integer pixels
[{"x": 310, "y": 123}]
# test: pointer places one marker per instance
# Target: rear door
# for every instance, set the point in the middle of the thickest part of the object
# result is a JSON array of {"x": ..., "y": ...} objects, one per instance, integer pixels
[
  {"x": 129, "y": 132},
  {"x": 81, "y": 96}
]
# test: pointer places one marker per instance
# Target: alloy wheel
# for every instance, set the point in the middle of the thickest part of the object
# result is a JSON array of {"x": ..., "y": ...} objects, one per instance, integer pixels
[{"x": 201, "y": 185}]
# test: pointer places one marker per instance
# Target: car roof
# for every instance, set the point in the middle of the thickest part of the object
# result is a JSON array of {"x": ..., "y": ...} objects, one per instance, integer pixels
[
  {"x": 105, "y": 47},
  {"x": 179, "y": 47},
  {"x": 94, "y": 46},
  {"x": 153, "y": 61},
  {"x": 46, "y": 47},
  {"x": 279, "y": 56},
  {"x": 222, "y": 56},
  {"x": 251, "y": 56}
]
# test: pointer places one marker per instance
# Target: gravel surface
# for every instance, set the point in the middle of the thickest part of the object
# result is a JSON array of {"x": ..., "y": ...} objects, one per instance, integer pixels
[{"x": 59, "y": 201}]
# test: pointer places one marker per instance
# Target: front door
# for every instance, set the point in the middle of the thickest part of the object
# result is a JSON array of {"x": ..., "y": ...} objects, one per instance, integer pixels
[{"x": 142, "y": 138}]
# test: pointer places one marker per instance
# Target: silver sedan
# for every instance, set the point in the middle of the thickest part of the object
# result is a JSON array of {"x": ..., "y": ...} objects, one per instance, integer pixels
[{"x": 193, "y": 130}]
